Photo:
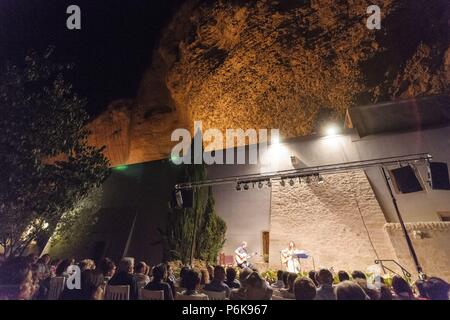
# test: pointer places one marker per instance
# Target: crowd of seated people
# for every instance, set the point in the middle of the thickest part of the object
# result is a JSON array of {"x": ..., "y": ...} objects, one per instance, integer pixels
[
  {"x": 322, "y": 286},
  {"x": 29, "y": 278}
]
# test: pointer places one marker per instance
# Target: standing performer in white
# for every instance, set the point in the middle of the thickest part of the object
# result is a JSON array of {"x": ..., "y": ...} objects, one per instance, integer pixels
[{"x": 290, "y": 259}]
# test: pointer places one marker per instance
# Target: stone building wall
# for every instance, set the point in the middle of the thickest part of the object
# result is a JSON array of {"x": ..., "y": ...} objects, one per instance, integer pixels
[
  {"x": 431, "y": 242},
  {"x": 324, "y": 220}
]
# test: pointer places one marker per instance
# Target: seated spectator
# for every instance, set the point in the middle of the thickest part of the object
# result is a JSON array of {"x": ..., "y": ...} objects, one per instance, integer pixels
[
  {"x": 279, "y": 283},
  {"x": 348, "y": 290},
  {"x": 401, "y": 289},
  {"x": 204, "y": 277},
  {"x": 210, "y": 271},
  {"x": 91, "y": 287},
  {"x": 257, "y": 288},
  {"x": 437, "y": 289},
  {"x": 32, "y": 258},
  {"x": 285, "y": 279},
  {"x": 241, "y": 293},
  {"x": 108, "y": 269},
  {"x": 231, "y": 280},
  {"x": 141, "y": 274},
  {"x": 16, "y": 272},
  {"x": 61, "y": 269},
  {"x": 304, "y": 289},
  {"x": 325, "y": 291},
  {"x": 358, "y": 275},
  {"x": 43, "y": 266},
  {"x": 53, "y": 265},
  {"x": 170, "y": 279},
  {"x": 217, "y": 284},
  {"x": 191, "y": 281},
  {"x": 159, "y": 273},
  {"x": 312, "y": 275},
  {"x": 343, "y": 275},
  {"x": 183, "y": 272},
  {"x": 170, "y": 275},
  {"x": 289, "y": 292},
  {"x": 87, "y": 264},
  {"x": 124, "y": 277},
  {"x": 385, "y": 293},
  {"x": 373, "y": 294}
]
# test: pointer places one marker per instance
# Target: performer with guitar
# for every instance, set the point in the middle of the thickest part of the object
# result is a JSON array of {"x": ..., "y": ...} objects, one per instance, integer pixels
[
  {"x": 241, "y": 256},
  {"x": 290, "y": 257}
]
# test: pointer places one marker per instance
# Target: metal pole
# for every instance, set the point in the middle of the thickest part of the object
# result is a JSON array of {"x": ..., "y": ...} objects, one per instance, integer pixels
[
  {"x": 194, "y": 236},
  {"x": 400, "y": 219}
]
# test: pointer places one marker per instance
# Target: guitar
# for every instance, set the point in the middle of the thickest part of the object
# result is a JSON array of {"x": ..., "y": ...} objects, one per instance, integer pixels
[{"x": 243, "y": 258}]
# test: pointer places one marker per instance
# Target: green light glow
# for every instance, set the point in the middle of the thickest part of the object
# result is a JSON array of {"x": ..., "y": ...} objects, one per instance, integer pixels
[
  {"x": 121, "y": 168},
  {"x": 174, "y": 159}
]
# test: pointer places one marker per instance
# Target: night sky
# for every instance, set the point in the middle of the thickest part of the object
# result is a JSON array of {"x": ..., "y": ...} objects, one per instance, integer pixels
[{"x": 110, "y": 52}]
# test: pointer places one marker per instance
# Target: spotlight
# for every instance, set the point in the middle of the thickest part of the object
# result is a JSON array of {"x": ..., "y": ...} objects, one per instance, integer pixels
[
  {"x": 260, "y": 184},
  {"x": 282, "y": 183},
  {"x": 331, "y": 130},
  {"x": 245, "y": 186},
  {"x": 238, "y": 187},
  {"x": 308, "y": 179},
  {"x": 269, "y": 183},
  {"x": 291, "y": 182}
]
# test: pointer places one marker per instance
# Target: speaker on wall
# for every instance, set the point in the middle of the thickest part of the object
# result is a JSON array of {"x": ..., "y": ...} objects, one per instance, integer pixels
[
  {"x": 439, "y": 176},
  {"x": 405, "y": 180}
]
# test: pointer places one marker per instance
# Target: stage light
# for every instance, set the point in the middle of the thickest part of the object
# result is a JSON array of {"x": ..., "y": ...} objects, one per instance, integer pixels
[
  {"x": 282, "y": 183},
  {"x": 246, "y": 186},
  {"x": 274, "y": 139},
  {"x": 291, "y": 182},
  {"x": 331, "y": 130},
  {"x": 238, "y": 187},
  {"x": 260, "y": 184},
  {"x": 121, "y": 168},
  {"x": 269, "y": 184},
  {"x": 308, "y": 179},
  {"x": 319, "y": 179}
]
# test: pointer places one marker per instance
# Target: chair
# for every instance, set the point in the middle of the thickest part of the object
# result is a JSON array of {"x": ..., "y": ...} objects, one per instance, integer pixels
[
  {"x": 152, "y": 294},
  {"x": 56, "y": 288},
  {"x": 185, "y": 297},
  {"x": 214, "y": 295},
  {"x": 117, "y": 293}
]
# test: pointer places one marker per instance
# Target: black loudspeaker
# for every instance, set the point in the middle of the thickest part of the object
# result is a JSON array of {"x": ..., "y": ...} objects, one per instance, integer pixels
[
  {"x": 184, "y": 198},
  {"x": 439, "y": 176},
  {"x": 406, "y": 180}
]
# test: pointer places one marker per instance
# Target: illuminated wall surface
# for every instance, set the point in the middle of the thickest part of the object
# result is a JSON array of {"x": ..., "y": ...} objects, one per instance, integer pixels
[{"x": 323, "y": 219}]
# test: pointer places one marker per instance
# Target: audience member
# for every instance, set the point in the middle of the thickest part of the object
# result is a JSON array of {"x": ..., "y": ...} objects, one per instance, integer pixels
[
  {"x": 279, "y": 284},
  {"x": 124, "y": 277},
  {"x": 304, "y": 289},
  {"x": 191, "y": 280},
  {"x": 325, "y": 291},
  {"x": 217, "y": 284},
  {"x": 401, "y": 289},
  {"x": 159, "y": 273},
  {"x": 348, "y": 290},
  {"x": 231, "y": 280}
]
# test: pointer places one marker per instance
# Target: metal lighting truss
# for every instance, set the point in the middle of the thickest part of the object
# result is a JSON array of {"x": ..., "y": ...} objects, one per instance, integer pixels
[{"x": 316, "y": 171}]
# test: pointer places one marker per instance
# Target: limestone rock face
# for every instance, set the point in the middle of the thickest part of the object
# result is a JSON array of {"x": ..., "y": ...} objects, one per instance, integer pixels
[{"x": 287, "y": 64}]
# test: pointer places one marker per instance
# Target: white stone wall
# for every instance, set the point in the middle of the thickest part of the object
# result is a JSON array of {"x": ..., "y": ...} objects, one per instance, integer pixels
[
  {"x": 324, "y": 220},
  {"x": 431, "y": 241}
]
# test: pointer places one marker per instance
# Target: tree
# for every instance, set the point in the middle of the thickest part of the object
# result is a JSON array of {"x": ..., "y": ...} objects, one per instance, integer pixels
[
  {"x": 200, "y": 220},
  {"x": 46, "y": 165}
]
